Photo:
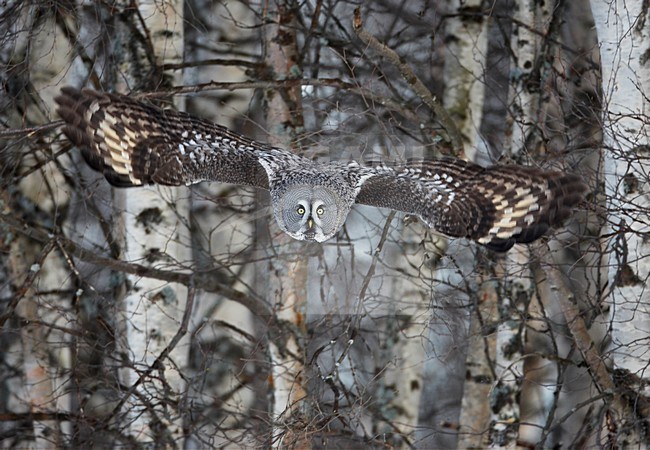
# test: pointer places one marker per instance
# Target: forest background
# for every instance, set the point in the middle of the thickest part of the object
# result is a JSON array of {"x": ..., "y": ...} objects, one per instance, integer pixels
[{"x": 183, "y": 317}]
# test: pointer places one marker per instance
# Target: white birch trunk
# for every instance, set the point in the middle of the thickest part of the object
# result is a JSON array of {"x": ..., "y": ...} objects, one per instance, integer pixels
[
  {"x": 464, "y": 72},
  {"x": 410, "y": 299},
  {"x": 156, "y": 234},
  {"x": 465, "y": 58},
  {"x": 288, "y": 267},
  {"x": 623, "y": 36},
  {"x": 515, "y": 286},
  {"x": 512, "y": 296}
]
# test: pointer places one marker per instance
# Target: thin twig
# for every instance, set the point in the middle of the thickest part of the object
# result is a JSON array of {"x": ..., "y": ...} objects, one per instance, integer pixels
[
  {"x": 204, "y": 280},
  {"x": 33, "y": 272},
  {"x": 375, "y": 257},
  {"x": 158, "y": 363},
  {"x": 577, "y": 326},
  {"x": 412, "y": 79},
  {"x": 211, "y": 62},
  {"x": 32, "y": 131},
  {"x": 581, "y": 338}
]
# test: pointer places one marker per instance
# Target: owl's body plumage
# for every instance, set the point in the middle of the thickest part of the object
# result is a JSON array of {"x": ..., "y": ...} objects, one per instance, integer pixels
[{"x": 134, "y": 143}]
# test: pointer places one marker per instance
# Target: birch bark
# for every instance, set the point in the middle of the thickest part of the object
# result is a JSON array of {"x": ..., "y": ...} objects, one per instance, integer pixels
[
  {"x": 465, "y": 58},
  {"x": 623, "y": 37},
  {"x": 514, "y": 290},
  {"x": 41, "y": 350},
  {"x": 156, "y": 233},
  {"x": 287, "y": 265}
]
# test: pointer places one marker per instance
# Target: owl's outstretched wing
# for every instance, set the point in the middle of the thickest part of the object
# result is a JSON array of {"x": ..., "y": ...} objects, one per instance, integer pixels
[
  {"x": 497, "y": 206},
  {"x": 135, "y": 143}
]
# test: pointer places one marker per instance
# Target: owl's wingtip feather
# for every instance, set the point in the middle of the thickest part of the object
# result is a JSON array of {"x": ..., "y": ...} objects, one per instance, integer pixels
[
  {"x": 133, "y": 142},
  {"x": 553, "y": 207}
]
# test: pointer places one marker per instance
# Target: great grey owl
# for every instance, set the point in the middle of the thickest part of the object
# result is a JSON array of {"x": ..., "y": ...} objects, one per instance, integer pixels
[{"x": 135, "y": 143}]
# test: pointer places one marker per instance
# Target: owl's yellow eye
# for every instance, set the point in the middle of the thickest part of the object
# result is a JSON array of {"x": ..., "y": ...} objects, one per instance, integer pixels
[
  {"x": 320, "y": 211},
  {"x": 300, "y": 211}
]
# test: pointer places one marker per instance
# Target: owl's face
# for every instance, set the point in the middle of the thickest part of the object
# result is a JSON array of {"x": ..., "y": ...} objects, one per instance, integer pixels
[{"x": 310, "y": 213}]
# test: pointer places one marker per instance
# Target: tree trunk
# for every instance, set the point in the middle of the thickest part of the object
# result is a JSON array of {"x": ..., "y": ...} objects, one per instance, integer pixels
[
  {"x": 465, "y": 58},
  {"x": 287, "y": 264},
  {"x": 35, "y": 352},
  {"x": 156, "y": 234},
  {"x": 221, "y": 355},
  {"x": 623, "y": 36},
  {"x": 514, "y": 290}
]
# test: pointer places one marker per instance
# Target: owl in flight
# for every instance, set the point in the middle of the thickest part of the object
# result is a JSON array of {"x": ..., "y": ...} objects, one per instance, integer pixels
[{"x": 135, "y": 143}]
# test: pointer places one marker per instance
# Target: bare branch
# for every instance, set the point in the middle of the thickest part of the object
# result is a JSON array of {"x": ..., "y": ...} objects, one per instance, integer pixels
[
  {"x": 205, "y": 281},
  {"x": 413, "y": 80}
]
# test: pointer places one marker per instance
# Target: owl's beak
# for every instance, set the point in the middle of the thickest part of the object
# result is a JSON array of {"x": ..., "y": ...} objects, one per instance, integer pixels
[{"x": 310, "y": 223}]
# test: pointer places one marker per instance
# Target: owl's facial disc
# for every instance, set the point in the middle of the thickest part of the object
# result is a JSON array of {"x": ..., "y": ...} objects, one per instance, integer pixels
[{"x": 310, "y": 213}]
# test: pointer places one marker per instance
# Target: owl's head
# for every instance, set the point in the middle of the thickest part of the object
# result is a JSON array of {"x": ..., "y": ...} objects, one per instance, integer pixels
[{"x": 310, "y": 213}]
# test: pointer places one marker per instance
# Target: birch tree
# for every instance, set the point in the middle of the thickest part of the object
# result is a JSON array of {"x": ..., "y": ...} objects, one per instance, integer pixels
[
  {"x": 514, "y": 290},
  {"x": 33, "y": 275},
  {"x": 623, "y": 36},
  {"x": 465, "y": 60},
  {"x": 287, "y": 270},
  {"x": 156, "y": 233}
]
